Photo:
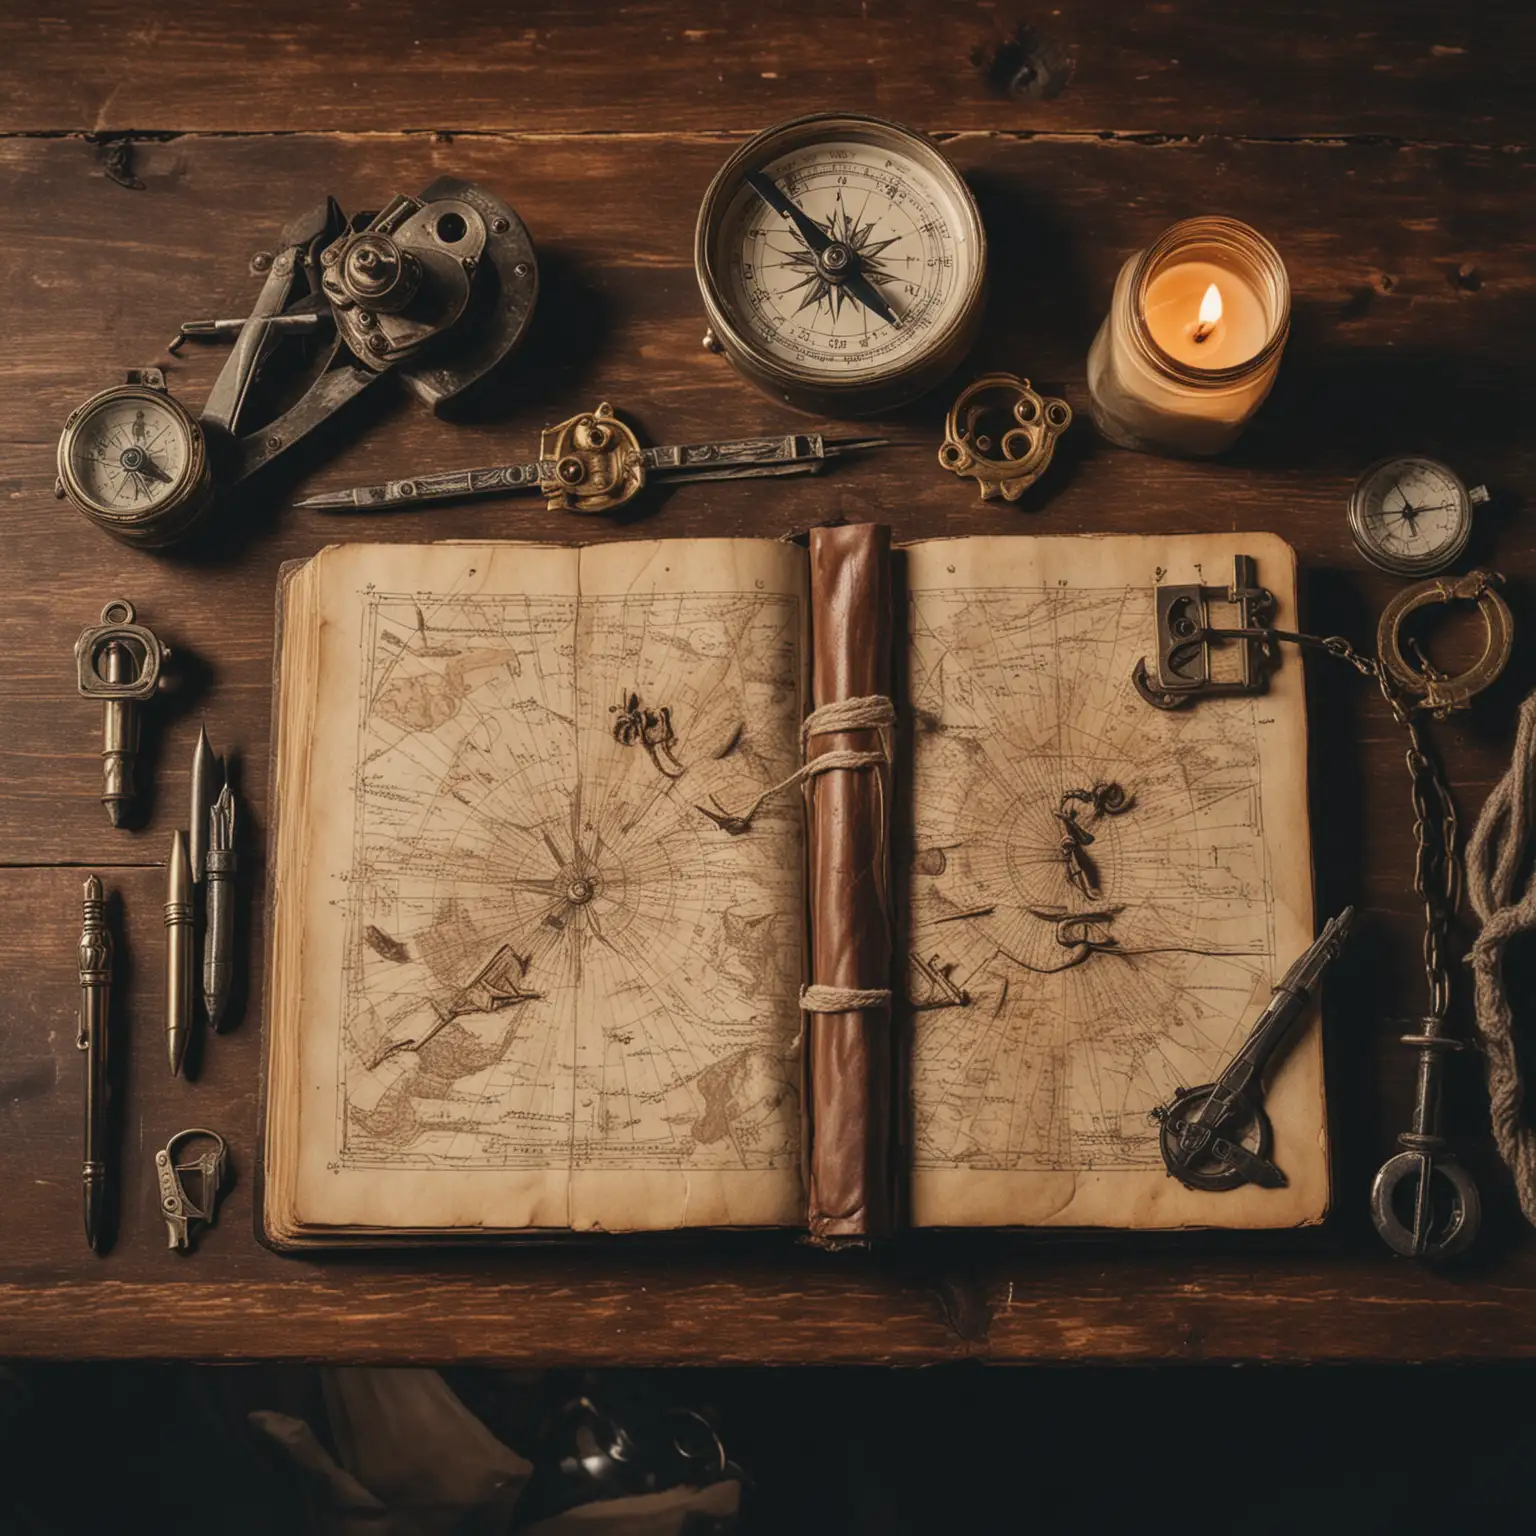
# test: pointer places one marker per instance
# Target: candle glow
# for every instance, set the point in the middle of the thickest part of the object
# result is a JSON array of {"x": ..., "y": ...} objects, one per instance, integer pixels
[
  {"x": 1192, "y": 340},
  {"x": 1210, "y": 313}
]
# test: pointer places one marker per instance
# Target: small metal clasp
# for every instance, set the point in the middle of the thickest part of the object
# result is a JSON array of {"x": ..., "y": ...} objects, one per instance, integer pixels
[
  {"x": 1184, "y": 670},
  {"x": 117, "y": 627},
  {"x": 598, "y": 464},
  {"x": 1010, "y": 464},
  {"x": 180, "y": 1210}
]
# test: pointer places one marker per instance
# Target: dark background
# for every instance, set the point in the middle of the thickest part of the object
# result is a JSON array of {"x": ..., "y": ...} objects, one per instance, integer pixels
[{"x": 147, "y": 151}]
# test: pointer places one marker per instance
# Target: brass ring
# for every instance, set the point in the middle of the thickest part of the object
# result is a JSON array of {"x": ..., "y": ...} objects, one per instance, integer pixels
[{"x": 1440, "y": 694}]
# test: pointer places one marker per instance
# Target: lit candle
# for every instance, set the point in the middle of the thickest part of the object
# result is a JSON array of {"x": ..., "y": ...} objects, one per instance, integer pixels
[{"x": 1192, "y": 341}]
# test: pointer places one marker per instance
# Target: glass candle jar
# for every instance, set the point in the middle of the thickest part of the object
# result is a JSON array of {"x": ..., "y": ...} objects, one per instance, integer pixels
[{"x": 1192, "y": 341}]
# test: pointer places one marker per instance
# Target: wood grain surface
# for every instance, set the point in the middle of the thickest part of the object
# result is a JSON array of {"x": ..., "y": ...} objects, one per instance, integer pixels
[
  {"x": 1278, "y": 69},
  {"x": 1388, "y": 159}
]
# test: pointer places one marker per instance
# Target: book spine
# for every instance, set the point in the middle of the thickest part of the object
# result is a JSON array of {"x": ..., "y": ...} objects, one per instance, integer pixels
[{"x": 851, "y": 1196}]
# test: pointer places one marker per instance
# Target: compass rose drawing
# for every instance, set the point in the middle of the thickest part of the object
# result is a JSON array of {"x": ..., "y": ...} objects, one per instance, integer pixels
[{"x": 845, "y": 231}]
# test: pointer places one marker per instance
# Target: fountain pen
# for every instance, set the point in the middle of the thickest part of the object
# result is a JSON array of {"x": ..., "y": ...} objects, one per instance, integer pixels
[
  {"x": 95, "y": 1003},
  {"x": 218, "y": 907},
  {"x": 179, "y": 933}
]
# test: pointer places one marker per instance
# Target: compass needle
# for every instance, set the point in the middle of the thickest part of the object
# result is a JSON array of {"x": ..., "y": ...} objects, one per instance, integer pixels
[{"x": 868, "y": 204}]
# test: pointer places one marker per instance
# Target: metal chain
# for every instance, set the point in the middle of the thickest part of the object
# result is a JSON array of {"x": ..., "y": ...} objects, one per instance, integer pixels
[{"x": 1437, "y": 869}]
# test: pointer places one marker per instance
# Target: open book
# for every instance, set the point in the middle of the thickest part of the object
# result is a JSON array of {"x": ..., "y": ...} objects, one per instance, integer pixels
[{"x": 546, "y": 887}]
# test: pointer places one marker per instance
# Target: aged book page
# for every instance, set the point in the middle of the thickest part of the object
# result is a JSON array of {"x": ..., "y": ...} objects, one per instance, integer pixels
[
  {"x": 1062, "y": 988},
  {"x": 522, "y": 980}
]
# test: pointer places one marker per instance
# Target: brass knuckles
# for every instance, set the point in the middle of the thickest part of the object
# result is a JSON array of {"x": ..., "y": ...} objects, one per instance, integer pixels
[
  {"x": 118, "y": 626},
  {"x": 1024, "y": 450},
  {"x": 176, "y": 1205},
  {"x": 597, "y": 463},
  {"x": 1441, "y": 695}
]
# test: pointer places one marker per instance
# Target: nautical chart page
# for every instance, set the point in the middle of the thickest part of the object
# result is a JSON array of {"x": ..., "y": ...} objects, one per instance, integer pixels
[
  {"x": 1100, "y": 894},
  {"x": 542, "y": 987}
]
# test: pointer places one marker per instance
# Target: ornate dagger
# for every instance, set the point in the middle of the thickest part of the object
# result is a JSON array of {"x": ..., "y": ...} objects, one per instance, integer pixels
[{"x": 594, "y": 463}]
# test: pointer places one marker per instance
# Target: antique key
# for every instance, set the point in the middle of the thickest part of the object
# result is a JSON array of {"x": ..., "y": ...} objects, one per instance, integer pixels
[
  {"x": 1205, "y": 1130},
  {"x": 119, "y": 662}
]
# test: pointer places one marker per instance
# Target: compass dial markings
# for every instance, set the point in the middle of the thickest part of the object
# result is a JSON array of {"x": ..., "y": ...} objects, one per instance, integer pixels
[
  {"x": 121, "y": 428},
  {"x": 1412, "y": 511},
  {"x": 901, "y": 241}
]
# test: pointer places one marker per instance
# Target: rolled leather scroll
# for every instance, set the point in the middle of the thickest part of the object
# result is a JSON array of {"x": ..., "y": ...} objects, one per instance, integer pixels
[{"x": 852, "y": 1194}]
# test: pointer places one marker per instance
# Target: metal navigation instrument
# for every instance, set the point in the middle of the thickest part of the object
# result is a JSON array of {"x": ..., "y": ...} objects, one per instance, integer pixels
[
  {"x": 436, "y": 289},
  {"x": 594, "y": 463},
  {"x": 1412, "y": 516},
  {"x": 842, "y": 263},
  {"x": 1217, "y": 1137}
]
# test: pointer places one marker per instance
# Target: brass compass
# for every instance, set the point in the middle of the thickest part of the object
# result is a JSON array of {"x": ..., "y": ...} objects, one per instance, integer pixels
[
  {"x": 133, "y": 460},
  {"x": 842, "y": 262}
]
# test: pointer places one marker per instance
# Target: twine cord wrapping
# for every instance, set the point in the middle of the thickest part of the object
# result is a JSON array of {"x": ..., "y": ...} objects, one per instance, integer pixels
[
  {"x": 819, "y": 999},
  {"x": 1498, "y": 851},
  {"x": 870, "y": 712}
]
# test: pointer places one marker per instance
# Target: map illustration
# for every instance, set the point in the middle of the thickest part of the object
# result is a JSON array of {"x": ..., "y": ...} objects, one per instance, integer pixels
[
  {"x": 553, "y": 958},
  {"x": 1091, "y": 912}
]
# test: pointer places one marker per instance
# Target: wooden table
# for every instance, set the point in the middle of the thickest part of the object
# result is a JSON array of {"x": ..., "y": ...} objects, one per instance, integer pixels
[{"x": 149, "y": 151}]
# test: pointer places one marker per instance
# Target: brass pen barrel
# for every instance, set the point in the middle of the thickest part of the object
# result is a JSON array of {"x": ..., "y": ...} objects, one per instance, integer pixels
[
  {"x": 119, "y": 736},
  {"x": 179, "y": 935},
  {"x": 95, "y": 1003}
]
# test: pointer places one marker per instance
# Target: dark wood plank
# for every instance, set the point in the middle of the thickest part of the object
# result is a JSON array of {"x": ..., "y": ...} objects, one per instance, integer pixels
[
  {"x": 1421, "y": 71},
  {"x": 574, "y": 1312},
  {"x": 1414, "y": 284}
]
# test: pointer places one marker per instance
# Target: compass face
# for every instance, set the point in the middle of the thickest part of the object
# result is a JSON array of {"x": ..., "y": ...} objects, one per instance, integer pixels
[
  {"x": 129, "y": 453},
  {"x": 842, "y": 252},
  {"x": 1411, "y": 516}
]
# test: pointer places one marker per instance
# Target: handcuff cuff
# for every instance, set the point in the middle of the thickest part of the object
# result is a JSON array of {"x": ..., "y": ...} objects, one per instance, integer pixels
[{"x": 1183, "y": 671}]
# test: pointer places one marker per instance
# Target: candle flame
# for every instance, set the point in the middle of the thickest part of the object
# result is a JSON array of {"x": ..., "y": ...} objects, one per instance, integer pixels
[{"x": 1210, "y": 306}]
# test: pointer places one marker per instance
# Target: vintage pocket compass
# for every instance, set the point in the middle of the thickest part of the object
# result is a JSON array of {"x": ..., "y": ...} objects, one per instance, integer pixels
[
  {"x": 437, "y": 289},
  {"x": 133, "y": 458},
  {"x": 842, "y": 262},
  {"x": 1412, "y": 516}
]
